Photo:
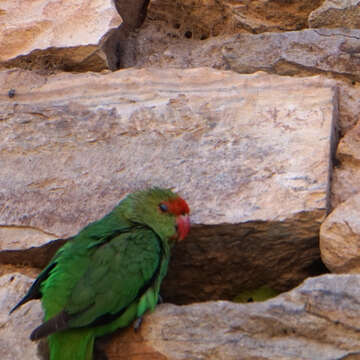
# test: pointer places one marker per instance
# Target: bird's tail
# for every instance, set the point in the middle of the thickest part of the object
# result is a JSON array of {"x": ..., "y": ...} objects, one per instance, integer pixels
[{"x": 76, "y": 344}]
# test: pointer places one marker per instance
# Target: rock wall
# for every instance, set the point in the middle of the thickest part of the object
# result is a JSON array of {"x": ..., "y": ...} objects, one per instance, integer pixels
[{"x": 249, "y": 109}]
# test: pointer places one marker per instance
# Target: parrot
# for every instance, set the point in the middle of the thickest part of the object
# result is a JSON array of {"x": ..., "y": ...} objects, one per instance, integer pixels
[{"x": 109, "y": 274}]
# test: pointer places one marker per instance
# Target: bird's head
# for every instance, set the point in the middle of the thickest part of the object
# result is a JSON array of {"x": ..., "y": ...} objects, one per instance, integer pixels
[{"x": 163, "y": 211}]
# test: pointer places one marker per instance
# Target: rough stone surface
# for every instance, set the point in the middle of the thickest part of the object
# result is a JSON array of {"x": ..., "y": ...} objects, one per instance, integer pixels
[
  {"x": 340, "y": 237},
  {"x": 250, "y": 153},
  {"x": 16, "y": 328},
  {"x": 349, "y": 104},
  {"x": 201, "y": 19},
  {"x": 333, "y": 51},
  {"x": 15, "y": 238},
  {"x": 55, "y": 34},
  {"x": 318, "y": 320},
  {"x": 336, "y": 14},
  {"x": 346, "y": 173},
  {"x": 202, "y": 131},
  {"x": 313, "y": 52},
  {"x": 26, "y": 246},
  {"x": 155, "y": 50}
]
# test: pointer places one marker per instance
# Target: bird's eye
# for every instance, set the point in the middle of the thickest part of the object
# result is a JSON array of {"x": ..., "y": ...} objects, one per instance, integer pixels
[{"x": 163, "y": 207}]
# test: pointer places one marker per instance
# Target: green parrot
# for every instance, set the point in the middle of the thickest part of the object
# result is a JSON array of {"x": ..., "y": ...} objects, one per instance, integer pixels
[{"x": 109, "y": 274}]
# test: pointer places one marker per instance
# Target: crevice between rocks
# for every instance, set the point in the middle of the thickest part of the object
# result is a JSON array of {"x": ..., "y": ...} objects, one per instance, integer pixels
[
  {"x": 36, "y": 257},
  {"x": 220, "y": 261}
]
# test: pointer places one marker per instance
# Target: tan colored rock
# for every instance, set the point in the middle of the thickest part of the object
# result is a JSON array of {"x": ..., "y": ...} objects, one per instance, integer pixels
[
  {"x": 349, "y": 103},
  {"x": 330, "y": 53},
  {"x": 17, "y": 237},
  {"x": 340, "y": 237},
  {"x": 15, "y": 329},
  {"x": 296, "y": 52},
  {"x": 25, "y": 270},
  {"x": 181, "y": 34},
  {"x": 336, "y": 14},
  {"x": 23, "y": 245},
  {"x": 345, "y": 182},
  {"x": 346, "y": 173},
  {"x": 318, "y": 320},
  {"x": 311, "y": 52},
  {"x": 250, "y": 153},
  {"x": 201, "y": 19},
  {"x": 43, "y": 34},
  {"x": 301, "y": 53},
  {"x": 155, "y": 50}
]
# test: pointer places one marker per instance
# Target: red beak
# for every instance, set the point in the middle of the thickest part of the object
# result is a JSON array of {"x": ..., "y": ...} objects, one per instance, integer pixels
[{"x": 183, "y": 226}]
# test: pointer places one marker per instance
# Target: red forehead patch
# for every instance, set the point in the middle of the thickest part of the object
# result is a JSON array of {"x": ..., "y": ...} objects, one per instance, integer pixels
[{"x": 177, "y": 206}]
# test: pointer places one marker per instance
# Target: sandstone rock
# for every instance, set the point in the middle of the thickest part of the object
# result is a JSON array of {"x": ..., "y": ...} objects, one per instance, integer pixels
[
  {"x": 333, "y": 51},
  {"x": 346, "y": 172},
  {"x": 301, "y": 53},
  {"x": 336, "y": 14},
  {"x": 311, "y": 52},
  {"x": 345, "y": 182},
  {"x": 25, "y": 270},
  {"x": 340, "y": 237},
  {"x": 250, "y": 153},
  {"x": 349, "y": 103},
  {"x": 308, "y": 52},
  {"x": 15, "y": 238},
  {"x": 26, "y": 246},
  {"x": 155, "y": 50},
  {"x": 58, "y": 38},
  {"x": 201, "y": 19},
  {"x": 318, "y": 320},
  {"x": 15, "y": 329},
  {"x": 53, "y": 35}
]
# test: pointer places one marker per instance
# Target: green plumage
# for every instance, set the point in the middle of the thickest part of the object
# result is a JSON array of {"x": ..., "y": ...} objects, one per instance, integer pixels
[{"x": 106, "y": 276}]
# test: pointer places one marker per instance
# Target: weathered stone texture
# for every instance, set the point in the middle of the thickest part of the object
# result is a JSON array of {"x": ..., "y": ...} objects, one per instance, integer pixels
[
  {"x": 311, "y": 52},
  {"x": 15, "y": 238},
  {"x": 201, "y": 19},
  {"x": 340, "y": 237},
  {"x": 301, "y": 53},
  {"x": 346, "y": 173},
  {"x": 55, "y": 34},
  {"x": 349, "y": 104},
  {"x": 318, "y": 320},
  {"x": 304, "y": 52},
  {"x": 251, "y": 154},
  {"x": 16, "y": 328},
  {"x": 336, "y": 14},
  {"x": 331, "y": 53}
]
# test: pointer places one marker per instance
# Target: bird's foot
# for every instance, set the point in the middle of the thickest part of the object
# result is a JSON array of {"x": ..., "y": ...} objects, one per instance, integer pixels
[{"x": 137, "y": 324}]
